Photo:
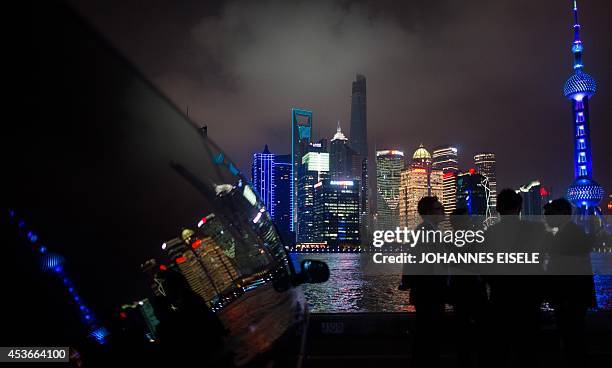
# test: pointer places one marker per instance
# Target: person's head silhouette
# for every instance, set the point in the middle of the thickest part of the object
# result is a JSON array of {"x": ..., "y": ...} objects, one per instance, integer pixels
[
  {"x": 509, "y": 203},
  {"x": 557, "y": 212},
  {"x": 431, "y": 210}
]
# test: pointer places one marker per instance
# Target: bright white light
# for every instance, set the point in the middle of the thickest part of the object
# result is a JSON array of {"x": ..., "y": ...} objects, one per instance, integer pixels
[
  {"x": 257, "y": 218},
  {"x": 201, "y": 223},
  {"x": 342, "y": 182},
  {"x": 164, "y": 246}
]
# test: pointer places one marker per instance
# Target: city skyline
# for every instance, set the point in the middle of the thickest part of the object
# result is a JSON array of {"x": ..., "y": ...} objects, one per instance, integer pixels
[{"x": 482, "y": 98}]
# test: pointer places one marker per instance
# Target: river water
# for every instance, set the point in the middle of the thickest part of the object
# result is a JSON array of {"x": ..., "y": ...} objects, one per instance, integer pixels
[{"x": 349, "y": 290}]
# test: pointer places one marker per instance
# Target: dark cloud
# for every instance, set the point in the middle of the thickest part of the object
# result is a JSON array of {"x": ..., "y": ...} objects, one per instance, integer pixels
[{"x": 485, "y": 75}]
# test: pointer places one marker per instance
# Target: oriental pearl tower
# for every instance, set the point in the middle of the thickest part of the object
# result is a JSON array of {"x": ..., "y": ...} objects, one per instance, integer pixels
[{"x": 584, "y": 192}]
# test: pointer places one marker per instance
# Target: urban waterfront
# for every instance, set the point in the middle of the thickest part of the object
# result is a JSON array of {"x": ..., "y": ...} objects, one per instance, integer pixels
[{"x": 349, "y": 290}]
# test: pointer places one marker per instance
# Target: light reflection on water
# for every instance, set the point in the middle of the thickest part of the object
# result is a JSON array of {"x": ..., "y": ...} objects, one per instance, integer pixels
[{"x": 349, "y": 290}]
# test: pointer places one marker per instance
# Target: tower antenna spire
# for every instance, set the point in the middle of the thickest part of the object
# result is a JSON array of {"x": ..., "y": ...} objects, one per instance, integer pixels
[{"x": 577, "y": 45}]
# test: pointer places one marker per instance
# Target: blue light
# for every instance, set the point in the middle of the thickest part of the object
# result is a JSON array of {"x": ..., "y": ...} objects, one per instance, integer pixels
[
  {"x": 58, "y": 268},
  {"x": 42, "y": 249},
  {"x": 76, "y": 298},
  {"x": 11, "y": 213},
  {"x": 32, "y": 237},
  {"x": 87, "y": 317},
  {"x": 21, "y": 224},
  {"x": 71, "y": 290},
  {"x": 99, "y": 334}
]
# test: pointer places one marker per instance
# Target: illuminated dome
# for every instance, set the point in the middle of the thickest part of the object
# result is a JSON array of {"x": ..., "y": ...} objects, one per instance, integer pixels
[
  {"x": 580, "y": 83},
  {"x": 585, "y": 192},
  {"x": 186, "y": 234},
  {"x": 421, "y": 153}
]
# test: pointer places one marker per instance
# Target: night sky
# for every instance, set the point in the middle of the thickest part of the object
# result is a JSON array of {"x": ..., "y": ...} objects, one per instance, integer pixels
[{"x": 483, "y": 75}]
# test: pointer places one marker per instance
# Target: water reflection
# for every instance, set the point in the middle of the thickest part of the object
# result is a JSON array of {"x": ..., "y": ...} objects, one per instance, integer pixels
[{"x": 349, "y": 290}]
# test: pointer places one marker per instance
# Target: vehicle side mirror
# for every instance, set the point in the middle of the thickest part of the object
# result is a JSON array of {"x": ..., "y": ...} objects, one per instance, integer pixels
[{"x": 313, "y": 272}]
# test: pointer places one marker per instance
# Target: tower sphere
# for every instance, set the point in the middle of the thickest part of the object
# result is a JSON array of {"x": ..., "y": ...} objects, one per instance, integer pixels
[{"x": 578, "y": 85}]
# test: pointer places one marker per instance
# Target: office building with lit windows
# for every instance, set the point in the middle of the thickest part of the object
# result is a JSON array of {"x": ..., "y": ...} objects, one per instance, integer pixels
[
  {"x": 314, "y": 168},
  {"x": 485, "y": 165},
  {"x": 445, "y": 158},
  {"x": 417, "y": 180},
  {"x": 584, "y": 193},
  {"x": 341, "y": 157},
  {"x": 389, "y": 166},
  {"x": 336, "y": 209}
]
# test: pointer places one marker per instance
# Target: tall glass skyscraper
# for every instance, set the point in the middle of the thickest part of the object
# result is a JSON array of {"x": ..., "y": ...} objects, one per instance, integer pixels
[
  {"x": 314, "y": 168},
  {"x": 282, "y": 194},
  {"x": 584, "y": 192},
  {"x": 301, "y": 133},
  {"x": 340, "y": 157},
  {"x": 336, "y": 208},
  {"x": 445, "y": 158},
  {"x": 389, "y": 166},
  {"x": 485, "y": 165},
  {"x": 359, "y": 140},
  {"x": 262, "y": 177},
  {"x": 271, "y": 178}
]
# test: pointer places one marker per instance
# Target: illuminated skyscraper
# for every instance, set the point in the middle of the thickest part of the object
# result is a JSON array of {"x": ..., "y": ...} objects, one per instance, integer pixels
[
  {"x": 473, "y": 193},
  {"x": 340, "y": 157},
  {"x": 418, "y": 180},
  {"x": 445, "y": 158},
  {"x": 584, "y": 192},
  {"x": 485, "y": 165},
  {"x": 314, "y": 168},
  {"x": 282, "y": 193},
  {"x": 336, "y": 209},
  {"x": 301, "y": 133},
  {"x": 262, "y": 176},
  {"x": 271, "y": 178},
  {"x": 389, "y": 165}
]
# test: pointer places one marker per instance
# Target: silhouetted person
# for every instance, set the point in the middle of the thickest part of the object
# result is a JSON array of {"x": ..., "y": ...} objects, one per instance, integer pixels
[
  {"x": 189, "y": 332},
  {"x": 515, "y": 293},
  {"x": 468, "y": 295},
  {"x": 428, "y": 292},
  {"x": 570, "y": 286}
]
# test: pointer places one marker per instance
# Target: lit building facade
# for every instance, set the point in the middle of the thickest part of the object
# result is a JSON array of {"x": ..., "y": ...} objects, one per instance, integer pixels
[
  {"x": 584, "y": 192},
  {"x": 445, "y": 158},
  {"x": 485, "y": 165},
  {"x": 262, "y": 177},
  {"x": 301, "y": 133},
  {"x": 336, "y": 209},
  {"x": 281, "y": 214},
  {"x": 473, "y": 194},
  {"x": 418, "y": 180},
  {"x": 271, "y": 178},
  {"x": 389, "y": 166},
  {"x": 314, "y": 168},
  {"x": 340, "y": 157}
]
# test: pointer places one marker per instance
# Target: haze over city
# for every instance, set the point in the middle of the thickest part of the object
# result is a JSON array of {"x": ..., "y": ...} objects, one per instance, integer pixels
[{"x": 484, "y": 76}]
